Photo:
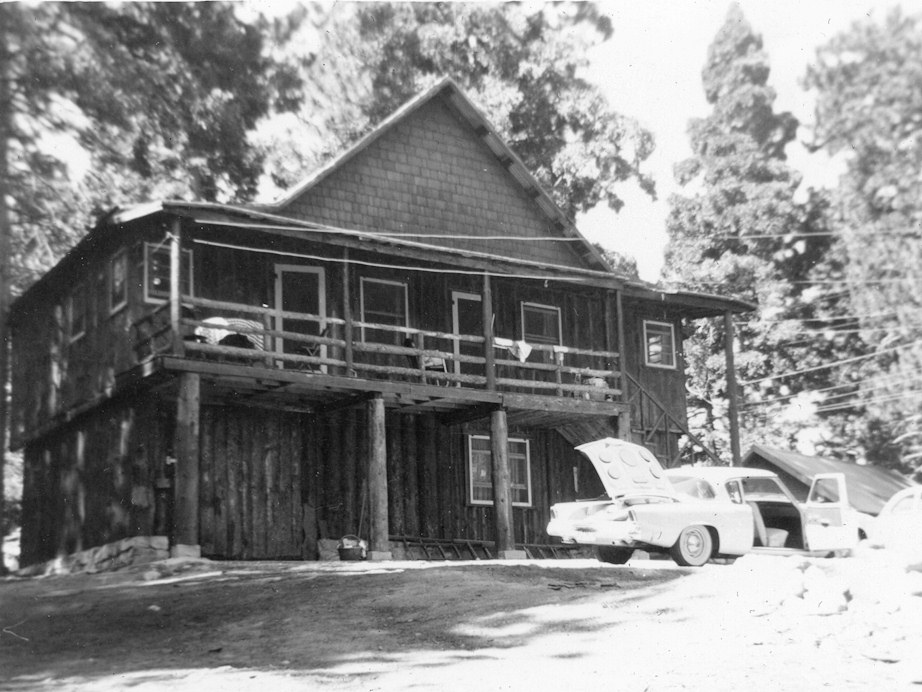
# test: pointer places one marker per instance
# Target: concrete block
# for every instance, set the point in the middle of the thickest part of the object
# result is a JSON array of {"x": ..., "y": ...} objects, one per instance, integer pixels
[
  {"x": 379, "y": 555},
  {"x": 512, "y": 555},
  {"x": 181, "y": 550}
]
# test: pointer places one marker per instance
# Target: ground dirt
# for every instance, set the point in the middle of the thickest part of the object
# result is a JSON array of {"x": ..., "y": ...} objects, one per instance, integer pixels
[{"x": 775, "y": 622}]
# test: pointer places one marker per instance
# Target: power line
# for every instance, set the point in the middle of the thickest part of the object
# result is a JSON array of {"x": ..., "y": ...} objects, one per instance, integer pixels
[
  {"x": 858, "y": 383},
  {"x": 878, "y": 400},
  {"x": 831, "y": 365}
]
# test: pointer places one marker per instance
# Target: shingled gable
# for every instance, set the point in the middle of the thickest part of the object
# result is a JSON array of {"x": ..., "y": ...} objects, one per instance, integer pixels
[{"x": 437, "y": 172}]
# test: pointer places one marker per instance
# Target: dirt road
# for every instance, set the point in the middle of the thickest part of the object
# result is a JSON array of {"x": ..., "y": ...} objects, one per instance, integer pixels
[{"x": 182, "y": 625}]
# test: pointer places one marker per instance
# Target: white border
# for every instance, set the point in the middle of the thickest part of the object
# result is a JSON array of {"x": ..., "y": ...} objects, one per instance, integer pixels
[
  {"x": 646, "y": 344},
  {"x": 321, "y": 300},
  {"x": 470, "y": 472}
]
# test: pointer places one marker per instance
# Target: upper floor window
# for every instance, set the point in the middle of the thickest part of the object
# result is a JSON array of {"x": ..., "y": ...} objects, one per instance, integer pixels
[
  {"x": 76, "y": 313},
  {"x": 480, "y": 470},
  {"x": 384, "y": 302},
  {"x": 659, "y": 340},
  {"x": 118, "y": 281},
  {"x": 541, "y": 324},
  {"x": 157, "y": 273}
]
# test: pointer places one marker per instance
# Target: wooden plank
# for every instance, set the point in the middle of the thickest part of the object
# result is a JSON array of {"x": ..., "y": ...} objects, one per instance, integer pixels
[
  {"x": 350, "y": 461},
  {"x": 426, "y": 464},
  {"x": 394, "y": 472},
  {"x": 410, "y": 476},
  {"x": 217, "y": 439},
  {"x": 208, "y": 484},
  {"x": 234, "y": 478}
]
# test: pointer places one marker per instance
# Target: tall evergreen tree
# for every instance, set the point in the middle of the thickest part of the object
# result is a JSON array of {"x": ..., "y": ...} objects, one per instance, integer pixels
[{"x": 739, "y": 232}]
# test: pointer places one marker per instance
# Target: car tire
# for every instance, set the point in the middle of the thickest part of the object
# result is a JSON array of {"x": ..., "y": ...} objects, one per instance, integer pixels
[
  {"x": 614, "y": 555},
  {"x": 694, "y": 546}
]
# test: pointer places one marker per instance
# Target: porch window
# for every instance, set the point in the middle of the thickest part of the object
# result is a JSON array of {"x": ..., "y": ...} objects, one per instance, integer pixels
[
  {"x": 480, "y": 470},
  {"x": 118, "y": 281},
  {"x": 384, "y": 302},
  {"x": 541, "y": 324},
  {"x": 76, "y": 313},
  {"x": 157, "y": 273},
  {"x": 659, "y": 338}
]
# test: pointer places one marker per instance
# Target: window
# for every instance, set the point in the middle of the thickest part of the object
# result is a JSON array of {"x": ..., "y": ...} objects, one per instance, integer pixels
[
  {"x": 76, "y": 313},
  {"x": 480, "y": 471},
  {"x": 384, "y": 302},
  {"x": 659, "y": 338},
  {"x": 157, "y": 273},
  {"x": 118, "y": 281},
  {"x": 541, "y": 324}
]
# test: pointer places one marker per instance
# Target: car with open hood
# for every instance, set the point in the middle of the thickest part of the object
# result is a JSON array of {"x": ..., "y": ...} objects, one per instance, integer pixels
[
  {"x": 643, "y": 510},
  {"x": 691, "y": 513}
]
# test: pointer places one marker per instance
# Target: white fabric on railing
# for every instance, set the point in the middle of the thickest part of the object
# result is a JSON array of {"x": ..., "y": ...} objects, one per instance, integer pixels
[{"x": 214, "y": 329}]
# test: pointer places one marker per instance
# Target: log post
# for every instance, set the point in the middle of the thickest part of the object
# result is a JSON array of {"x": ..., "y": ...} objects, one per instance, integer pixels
[
  {"x": 186, "y": 450},
  {"x": 379, "y": 543},
  {"x": 732, "y": 400},
  {"x": 502, "y": 487}
]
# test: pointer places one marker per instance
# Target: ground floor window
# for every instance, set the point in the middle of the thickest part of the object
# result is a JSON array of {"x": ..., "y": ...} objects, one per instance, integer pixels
[{"x": 480, "y": 470}]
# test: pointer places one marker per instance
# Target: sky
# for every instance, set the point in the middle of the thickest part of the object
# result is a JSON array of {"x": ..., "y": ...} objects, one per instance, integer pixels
[{"x": 651, "y": 70}]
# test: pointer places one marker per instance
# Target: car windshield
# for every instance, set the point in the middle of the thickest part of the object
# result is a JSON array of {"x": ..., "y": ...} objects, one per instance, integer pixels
[{"x": 694, "y": 487}]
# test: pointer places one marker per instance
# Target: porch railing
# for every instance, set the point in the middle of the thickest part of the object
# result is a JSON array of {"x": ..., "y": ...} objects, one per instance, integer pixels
[{"x": 247, "y": 335}]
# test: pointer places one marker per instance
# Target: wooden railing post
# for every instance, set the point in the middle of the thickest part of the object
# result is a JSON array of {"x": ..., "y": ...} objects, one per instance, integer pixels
[
  {"x": 175, "y": 283},
  {"x": 348, "y": 355},
  {"x": 488, "y": 355}
]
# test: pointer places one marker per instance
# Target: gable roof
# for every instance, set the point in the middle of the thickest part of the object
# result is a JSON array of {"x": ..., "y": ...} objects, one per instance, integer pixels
[
  {"x": 869, "y": 487},
  {"x": 451, "y": 94}
]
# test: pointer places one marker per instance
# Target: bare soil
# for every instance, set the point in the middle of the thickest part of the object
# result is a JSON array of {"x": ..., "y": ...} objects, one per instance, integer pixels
[{"x": 194, "y": 624}]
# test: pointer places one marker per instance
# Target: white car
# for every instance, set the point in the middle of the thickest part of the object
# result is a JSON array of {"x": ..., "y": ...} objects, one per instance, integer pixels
[
  {"x": 824, "y": 524},
  {"x": 899, "y": 524},
  {"x": 696, "y": 513}
]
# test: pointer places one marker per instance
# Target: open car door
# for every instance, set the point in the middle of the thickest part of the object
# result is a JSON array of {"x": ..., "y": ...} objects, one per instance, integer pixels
[{"x": 828, "y": 523}]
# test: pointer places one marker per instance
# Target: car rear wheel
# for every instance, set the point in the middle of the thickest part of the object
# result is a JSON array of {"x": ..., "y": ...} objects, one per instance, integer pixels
[
  {"x": 694, "y": 547},
  {"x": 613, "y": 555}
]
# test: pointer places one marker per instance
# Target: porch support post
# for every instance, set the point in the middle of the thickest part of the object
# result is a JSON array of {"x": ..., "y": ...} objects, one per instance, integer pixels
[
  {"x": 186, "y": 451},
  {"x": 624, "y": 420},
  {"x": 732, "y": 394},
  {"x": 379, "y": 544},
  {"x": 175, "y": 286},
  {"x": 502, "y": 487},
  {"x": 488, "y": 355}
]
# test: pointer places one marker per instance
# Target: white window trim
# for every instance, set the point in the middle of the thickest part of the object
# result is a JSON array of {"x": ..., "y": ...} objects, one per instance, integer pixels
[
  {"x": 406, "y": 299},
  {"x": 157, "y": 300},
  {"x": 121, "y": 255},
  {"x": 646, "y": 345},
  {"x": 71, "y": 335},
  {"x": 552, "y": 308},
  {"x": 470, "y": 471}
]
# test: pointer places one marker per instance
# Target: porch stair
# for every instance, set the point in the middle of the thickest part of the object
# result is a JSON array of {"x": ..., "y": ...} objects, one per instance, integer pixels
[{"x": 663, "y": 422}]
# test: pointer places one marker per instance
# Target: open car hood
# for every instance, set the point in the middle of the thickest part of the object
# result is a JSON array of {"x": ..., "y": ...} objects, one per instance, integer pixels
[{"x": 627, "y": 469}]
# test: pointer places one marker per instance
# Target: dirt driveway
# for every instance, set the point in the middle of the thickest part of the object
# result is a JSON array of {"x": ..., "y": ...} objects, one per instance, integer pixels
[{"x": 536, "y": 625}]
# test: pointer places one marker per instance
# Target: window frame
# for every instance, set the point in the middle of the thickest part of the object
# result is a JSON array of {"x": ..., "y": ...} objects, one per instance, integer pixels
[
  {"x": 77, "y": 294},
  {"x": 406, "y": 305},
  {"x": 524, "y": 306},
  {"x": 528, "y": 486},
  {"x": 117, "y": 299},
  {"x": 672, "y": 345},
  {"x": 163, "y": 296}
]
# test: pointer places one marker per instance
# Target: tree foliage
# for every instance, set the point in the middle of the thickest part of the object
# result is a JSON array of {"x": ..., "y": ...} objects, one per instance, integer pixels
[
  {"x": 868, "y": 82},
  {"x": 521, "y": 64}
]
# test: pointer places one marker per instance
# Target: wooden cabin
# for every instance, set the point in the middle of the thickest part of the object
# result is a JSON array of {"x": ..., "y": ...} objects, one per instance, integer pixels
[{"x": 406, "y": 347}]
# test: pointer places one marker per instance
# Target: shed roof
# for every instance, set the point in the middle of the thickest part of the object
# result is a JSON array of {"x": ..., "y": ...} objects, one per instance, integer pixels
[{"x": 869, "y": 487}]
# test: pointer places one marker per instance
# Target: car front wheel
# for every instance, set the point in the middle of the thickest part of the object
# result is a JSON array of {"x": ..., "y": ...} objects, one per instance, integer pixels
[
  {"x": 694, "y": 547},
  {"x": 613, "y": 555}
]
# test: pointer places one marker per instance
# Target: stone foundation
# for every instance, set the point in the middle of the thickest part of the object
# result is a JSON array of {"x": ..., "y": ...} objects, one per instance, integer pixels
[{"x": 138, "y": 550}]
